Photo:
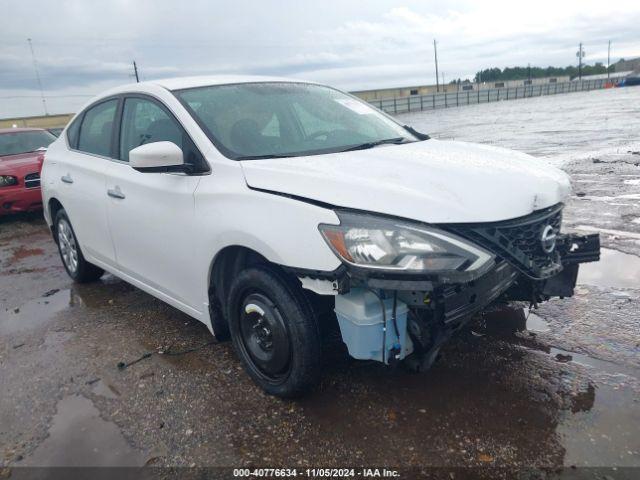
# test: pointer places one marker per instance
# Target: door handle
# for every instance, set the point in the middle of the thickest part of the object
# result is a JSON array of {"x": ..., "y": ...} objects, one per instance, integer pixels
[
  {"x": 116, "y": 193},
  {"x": 66, "y": 178}
]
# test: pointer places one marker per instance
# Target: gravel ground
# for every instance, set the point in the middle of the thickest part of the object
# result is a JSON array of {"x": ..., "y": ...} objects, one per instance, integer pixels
[{"x": 560, "y": 388}]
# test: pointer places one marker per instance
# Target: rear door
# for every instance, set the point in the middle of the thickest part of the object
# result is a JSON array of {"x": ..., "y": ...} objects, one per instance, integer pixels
[
  {"x": 151, "y": 215},
  {"x": 83, "y": 173}
]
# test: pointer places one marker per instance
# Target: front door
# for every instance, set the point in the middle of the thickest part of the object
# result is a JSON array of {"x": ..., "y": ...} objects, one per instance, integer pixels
[{"x": 151, "y": 215}]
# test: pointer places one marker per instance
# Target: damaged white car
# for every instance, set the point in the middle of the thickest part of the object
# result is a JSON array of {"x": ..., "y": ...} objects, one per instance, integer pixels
[{"x": 269, "y": 208}]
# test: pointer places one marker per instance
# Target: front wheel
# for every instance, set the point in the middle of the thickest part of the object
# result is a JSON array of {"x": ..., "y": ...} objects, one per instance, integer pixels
[
  {"x": 73, "y": 260},
  {"x": 274, "y": 332}
]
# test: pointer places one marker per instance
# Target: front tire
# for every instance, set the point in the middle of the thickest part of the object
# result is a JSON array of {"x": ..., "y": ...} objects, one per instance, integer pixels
[
  {"x": 274, "y": 332},
  {"x": 72, "y": 258}
]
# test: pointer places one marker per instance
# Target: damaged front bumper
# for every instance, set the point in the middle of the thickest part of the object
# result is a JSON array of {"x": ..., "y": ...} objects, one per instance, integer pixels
[{"x": 436, "y": 309}]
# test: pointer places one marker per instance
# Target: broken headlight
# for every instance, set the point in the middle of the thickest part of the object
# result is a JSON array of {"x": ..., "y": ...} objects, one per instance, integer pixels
[
  {"x": 8, "y": 180},
  {"x": 374, "y": 242}
]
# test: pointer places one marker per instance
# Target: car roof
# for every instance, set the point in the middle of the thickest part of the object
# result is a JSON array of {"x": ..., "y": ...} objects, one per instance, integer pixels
[
  {"x": 179, "y": 83},
  {"x": 21, "y": 129}
]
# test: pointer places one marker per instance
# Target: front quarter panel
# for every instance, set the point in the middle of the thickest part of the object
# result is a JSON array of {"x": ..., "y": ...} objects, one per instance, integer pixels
[{"x": 283, "y": 230}]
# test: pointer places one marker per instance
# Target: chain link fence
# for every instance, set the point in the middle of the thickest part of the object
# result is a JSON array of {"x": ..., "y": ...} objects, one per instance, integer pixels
[{"x": 417, "y": 103}]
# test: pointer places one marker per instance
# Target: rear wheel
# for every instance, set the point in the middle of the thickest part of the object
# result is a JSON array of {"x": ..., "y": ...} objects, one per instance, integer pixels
[
  {"x": 74, "y": 262},
  {"x": 274, "y": 332}
]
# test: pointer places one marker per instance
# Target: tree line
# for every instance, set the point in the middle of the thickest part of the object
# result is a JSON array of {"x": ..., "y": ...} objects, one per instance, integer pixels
[{"x": 523, "y": 73}]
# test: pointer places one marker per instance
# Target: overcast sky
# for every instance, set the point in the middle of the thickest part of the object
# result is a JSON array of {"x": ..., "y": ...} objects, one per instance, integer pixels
[{"x": 85, "y": 46}]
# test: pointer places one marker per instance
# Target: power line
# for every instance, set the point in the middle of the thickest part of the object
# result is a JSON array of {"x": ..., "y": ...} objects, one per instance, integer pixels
[{"x": 35, "y": 67}]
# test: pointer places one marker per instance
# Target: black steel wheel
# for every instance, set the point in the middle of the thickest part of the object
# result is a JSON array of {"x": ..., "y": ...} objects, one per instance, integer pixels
[
  {"x": 264, "y": 336},
  {"x": 274, "y": 332}
]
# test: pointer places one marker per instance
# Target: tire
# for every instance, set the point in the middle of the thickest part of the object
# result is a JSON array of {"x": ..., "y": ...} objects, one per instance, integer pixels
[
  {"x": 274, "y": 332},
  {"x": 72, "y": 258}
]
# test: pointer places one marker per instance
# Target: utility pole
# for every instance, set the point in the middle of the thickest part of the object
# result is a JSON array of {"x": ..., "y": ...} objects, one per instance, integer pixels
[
  {"x": 580, "y": 54},
  {"x": 35, "y": 67},
  {"x": 135, "y": 71},
  {"x": 529, "y": 71},
  {"x": 435, "y": 52},
  {"x": 608, "y": 58}
]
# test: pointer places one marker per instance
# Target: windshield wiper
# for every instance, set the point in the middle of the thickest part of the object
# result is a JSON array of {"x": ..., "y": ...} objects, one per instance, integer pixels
[
  {"x": 367, "y": 145},
  {"x": 259, "y": 157},
  {"x": 419, "y": 135}
]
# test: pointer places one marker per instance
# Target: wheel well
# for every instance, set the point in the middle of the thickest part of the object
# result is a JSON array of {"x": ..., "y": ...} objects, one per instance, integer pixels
[
  {"x": 54, "y": 207},
  {"x": 227, "y": 264}
]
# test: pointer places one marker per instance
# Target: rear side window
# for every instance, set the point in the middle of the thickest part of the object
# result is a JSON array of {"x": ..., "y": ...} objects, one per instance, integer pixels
[
  {"x": 73, "y": 131},
  {"x": 97, "y": 128},
  {"x": 145, "y": 121}
]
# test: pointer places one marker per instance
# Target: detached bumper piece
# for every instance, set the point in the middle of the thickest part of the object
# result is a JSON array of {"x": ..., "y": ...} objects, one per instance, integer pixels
[{"x": 574, "y": 250}]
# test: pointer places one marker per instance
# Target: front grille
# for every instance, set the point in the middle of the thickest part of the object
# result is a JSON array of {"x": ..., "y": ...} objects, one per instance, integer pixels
[
  {"x": 32, "y": 180},
  {"x": 519, "y": 240}
]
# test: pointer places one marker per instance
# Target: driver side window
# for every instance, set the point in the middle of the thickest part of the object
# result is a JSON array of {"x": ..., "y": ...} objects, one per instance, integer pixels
[{"x": 145, "y": 121}]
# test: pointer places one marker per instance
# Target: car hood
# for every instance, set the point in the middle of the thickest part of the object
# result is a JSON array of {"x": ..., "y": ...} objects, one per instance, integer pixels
[
  {"x": 21, "y": 163},
  {"x": 431, "y": 181}
]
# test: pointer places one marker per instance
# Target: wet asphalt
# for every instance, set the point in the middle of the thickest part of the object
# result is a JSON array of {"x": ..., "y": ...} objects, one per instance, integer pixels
[{"x": 556, "y": 387}]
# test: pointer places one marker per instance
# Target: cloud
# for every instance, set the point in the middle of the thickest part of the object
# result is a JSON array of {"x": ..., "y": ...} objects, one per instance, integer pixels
[{"x": 84, "y": 46}]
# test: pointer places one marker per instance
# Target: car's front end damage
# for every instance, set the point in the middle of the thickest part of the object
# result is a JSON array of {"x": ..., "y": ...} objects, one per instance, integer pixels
[
  {"x": 428, "y": 234},
  {"x": 406, "y": 288}
]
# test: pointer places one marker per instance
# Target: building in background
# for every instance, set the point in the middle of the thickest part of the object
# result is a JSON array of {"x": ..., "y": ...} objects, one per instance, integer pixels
[{"x": 627, "y": 65}]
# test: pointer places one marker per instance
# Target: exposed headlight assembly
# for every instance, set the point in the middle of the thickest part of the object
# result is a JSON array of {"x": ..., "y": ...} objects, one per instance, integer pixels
[
  {"x": 8, "y": 180},
  {"x": 374, "y": 242}
]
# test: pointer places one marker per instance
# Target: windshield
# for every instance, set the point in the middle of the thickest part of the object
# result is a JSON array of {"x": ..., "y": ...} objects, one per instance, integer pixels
[
  {"x": 266, "y": 120},
  {"x": 12, "y": 143}
]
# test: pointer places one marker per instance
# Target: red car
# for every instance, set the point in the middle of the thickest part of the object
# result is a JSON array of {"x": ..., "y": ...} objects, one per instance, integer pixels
[{"x": 21, "y": 156}]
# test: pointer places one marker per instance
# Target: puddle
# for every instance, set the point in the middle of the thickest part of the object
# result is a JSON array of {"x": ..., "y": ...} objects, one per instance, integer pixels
[
  {"x": 36, "y": 312},
  {"x": 78, "y": 437},
  {"x": 615, "y": 270},
  {"x": 598, "y": 424},
  {"x": 602, "y": 366},
  {"x": 105, "y": 390},
  {"x": 602, "y": 427},
  {"x": 536, "y": 323},
  {"x": 504, "y": 322}
]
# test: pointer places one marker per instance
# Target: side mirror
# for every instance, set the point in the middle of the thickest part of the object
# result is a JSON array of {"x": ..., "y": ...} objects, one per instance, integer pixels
[{"x": 156, "y": 157}]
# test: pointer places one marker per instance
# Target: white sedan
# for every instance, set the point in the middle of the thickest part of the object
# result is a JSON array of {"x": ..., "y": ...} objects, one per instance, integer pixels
[{"x": 269, "y": 209}]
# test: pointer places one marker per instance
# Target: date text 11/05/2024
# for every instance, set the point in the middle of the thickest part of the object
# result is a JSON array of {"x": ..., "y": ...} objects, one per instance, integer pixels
[{"x": 317, "y": 472}]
